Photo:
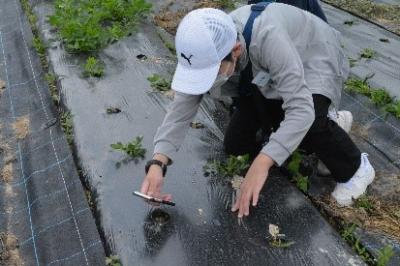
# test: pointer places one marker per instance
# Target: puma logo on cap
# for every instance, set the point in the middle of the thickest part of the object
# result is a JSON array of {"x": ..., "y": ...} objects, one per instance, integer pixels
[{"x": 187, "y": 58}]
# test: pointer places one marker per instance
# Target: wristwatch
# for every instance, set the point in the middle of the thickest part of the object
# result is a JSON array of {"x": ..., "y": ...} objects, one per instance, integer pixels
[{"x": 157, "y": 162}]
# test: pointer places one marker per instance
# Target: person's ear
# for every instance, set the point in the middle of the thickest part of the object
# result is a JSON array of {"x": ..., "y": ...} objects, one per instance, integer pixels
[{"x": 237, "y": 50}]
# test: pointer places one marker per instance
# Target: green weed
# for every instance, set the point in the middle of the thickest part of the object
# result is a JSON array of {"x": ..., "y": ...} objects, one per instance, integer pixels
[
  {"x": 233, "y": 166},
  {"x": 302, "y": 183},
  {"x": 281, "y": 243},
  {"x": 67, "y": 126},
  {"x": 352, "y": 62},
  {"x": 31, "y": 16},
  {"x": 293, "y": 166},
  {"x": 113, "y": 260},
  {"x": 93, "y": 68},
  {"x": 347, "y": 233},
  {"x": 38, "y": 45},
  {"x": 117, "y": 32},
  {"x": 355, "y": 85},
  {"x": 52, "y": 82},
  {"x": 394, "y": 108},
  {"x": 134, "y": 149},
  {"x": 171, "y": 47},
  {"x": 365, "y": 203},
  {"x": 159, "y": 83},
  {"x": 384, "y": 256},
  {"x": 368, "y": 53},
  {"x": 89, "y": 25},
  {"x": 229, "y": 4},
  {"x": 380, "y": 97},
  {"x": 40, "y": 48}
]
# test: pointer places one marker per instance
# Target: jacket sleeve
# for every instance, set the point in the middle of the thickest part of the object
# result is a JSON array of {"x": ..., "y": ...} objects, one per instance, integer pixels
[
  {"x": 279, "y": 55},
  {"x": 171, "y": 134}
]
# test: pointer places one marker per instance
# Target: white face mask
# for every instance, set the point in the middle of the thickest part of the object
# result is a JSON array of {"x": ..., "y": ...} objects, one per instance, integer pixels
[{"x": 221, "y": 80}]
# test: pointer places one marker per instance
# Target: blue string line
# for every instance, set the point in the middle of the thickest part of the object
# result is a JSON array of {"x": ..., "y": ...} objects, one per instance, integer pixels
[
  {"x": 13, "y": 212},
  {"x": 76, "y": 254},
  {"x": 51, "y": 226},
  {"x": 35, "y": 172}
]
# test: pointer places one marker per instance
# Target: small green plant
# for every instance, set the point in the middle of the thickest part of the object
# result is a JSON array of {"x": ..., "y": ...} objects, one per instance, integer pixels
[
  {"x": 233, "y": 166},
  {"x": 116, "y": 32},
  {"x": 380, "y": 97},
  {"x": 384, "y": 256},
  {"x": 229, "y": 4},
  {"x": 39, "y": 46},
  {"x": 113, "y": 260},
  {"x": 302, "y": 183},
  {"x": 89, "y": 25},
  {"x": 134, "y": 149},
  {"x": 67, "y": 126},
  {"x": 365, "y": 203},
  {"x": 31, "y": 16},
  {"x": 352, "y": 62},
  {"x": 52, "y": 82},
  {"x": 159, "y": 83},
  {"x": 293, "y": 166},
  {"x": 368, "y": 53},
  {"x": 347, "y": 233},
  {"x": 394, "y": 108},
  {"x": 356, "y": 85},
  {"x": 171, "y": 47},
  {"x": 93, "y": 68}
]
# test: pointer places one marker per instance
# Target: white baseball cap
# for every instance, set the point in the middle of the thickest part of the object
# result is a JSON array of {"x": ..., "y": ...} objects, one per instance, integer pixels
[{"x": 203, "y": 39}]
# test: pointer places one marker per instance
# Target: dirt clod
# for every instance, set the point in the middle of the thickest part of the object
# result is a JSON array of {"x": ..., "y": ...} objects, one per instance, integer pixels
[
  {"x": 21, "y": 127},
  {"x": 6, "y": 173},
  {"x": 9, "y": 253}
]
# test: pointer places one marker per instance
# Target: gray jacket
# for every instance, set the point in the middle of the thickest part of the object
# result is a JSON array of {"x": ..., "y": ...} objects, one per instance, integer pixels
[{"x": 297, "y": 53}]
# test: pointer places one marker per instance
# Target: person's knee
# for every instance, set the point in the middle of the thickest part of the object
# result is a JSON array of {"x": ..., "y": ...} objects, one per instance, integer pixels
[{"x": 320, "y": 123}]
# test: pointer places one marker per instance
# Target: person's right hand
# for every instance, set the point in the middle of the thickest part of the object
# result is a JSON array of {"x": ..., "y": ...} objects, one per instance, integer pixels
[{"x": 153, "y": 183}]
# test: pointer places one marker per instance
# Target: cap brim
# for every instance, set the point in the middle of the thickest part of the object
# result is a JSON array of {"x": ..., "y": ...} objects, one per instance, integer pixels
[{"x": 194, "y": 81}]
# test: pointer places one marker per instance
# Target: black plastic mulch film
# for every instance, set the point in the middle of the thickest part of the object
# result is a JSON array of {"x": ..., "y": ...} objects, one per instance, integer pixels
[
  {"x": 42, "y": 202},
  {"x": 200, "y": 230}
]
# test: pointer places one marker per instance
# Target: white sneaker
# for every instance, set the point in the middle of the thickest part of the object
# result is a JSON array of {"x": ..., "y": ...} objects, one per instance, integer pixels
[
  {"x": 344, "y": 193},
  {"x": 345, "y": 120}
]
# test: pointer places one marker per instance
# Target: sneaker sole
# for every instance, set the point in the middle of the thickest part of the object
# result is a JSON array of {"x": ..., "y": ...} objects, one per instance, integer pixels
[{"x": 349, "y": 202}]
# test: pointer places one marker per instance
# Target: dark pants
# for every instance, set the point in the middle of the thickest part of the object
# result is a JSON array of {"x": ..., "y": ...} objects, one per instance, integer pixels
[{"x": 255, "y": 114}]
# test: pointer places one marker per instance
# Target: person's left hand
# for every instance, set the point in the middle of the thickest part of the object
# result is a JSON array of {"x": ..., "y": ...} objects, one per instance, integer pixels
[{"x": 252, "y": 184}]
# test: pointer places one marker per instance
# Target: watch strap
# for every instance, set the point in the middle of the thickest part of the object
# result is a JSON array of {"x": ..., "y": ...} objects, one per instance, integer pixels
[{"x": 156, "y": 162}]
